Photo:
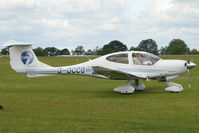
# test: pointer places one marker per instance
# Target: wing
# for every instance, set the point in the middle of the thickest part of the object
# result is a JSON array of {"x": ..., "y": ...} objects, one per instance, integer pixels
[{"x": 117, "y": 74}]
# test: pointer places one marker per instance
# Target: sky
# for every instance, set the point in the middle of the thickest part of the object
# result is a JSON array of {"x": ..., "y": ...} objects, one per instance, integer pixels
[{"x": 91, "y": 23}]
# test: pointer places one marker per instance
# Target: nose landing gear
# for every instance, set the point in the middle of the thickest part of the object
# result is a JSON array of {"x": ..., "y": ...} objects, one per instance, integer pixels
[{"x": 173, "y": 87}]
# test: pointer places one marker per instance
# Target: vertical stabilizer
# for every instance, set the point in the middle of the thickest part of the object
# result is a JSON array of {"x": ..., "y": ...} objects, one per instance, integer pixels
[{"x": 22, "y": 57}]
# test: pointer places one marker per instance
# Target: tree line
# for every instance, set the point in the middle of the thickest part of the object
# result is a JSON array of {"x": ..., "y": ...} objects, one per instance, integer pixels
[{"x": 175, "y": 47}]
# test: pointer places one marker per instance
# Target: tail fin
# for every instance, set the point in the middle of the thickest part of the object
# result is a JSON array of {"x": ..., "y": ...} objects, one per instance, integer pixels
[{"x": 23, "y": 59}]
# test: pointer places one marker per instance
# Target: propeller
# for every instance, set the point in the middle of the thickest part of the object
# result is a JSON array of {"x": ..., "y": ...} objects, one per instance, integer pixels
[
  {"x": 188, "y": 60},
  {"x": 189, "y": 77},
  {"x": 189, "y": 64},
  {"x": 189, "y": 72}
]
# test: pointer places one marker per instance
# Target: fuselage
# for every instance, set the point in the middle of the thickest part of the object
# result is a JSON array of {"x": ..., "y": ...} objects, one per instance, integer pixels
[{"x": 150, "y": 67}]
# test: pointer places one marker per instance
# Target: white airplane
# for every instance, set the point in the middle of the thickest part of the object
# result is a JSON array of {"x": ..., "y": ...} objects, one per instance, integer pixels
[{"x": 128, "y": 65}]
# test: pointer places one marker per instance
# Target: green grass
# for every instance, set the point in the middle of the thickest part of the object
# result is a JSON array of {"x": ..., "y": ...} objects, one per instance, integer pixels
[{"x": 87, "y": 105}]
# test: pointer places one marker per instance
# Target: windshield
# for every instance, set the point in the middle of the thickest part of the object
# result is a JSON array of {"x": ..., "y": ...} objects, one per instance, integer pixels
[{"x": 144, "y": 59}]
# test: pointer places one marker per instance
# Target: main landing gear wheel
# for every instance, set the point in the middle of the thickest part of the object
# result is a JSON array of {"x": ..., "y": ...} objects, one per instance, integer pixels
[
  {"x": 130, "y": 88},
  {"x": 138, "y": 86}
]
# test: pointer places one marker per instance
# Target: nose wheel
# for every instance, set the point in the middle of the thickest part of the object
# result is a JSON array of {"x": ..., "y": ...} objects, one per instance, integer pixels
[{"x": 173, "y": 87}]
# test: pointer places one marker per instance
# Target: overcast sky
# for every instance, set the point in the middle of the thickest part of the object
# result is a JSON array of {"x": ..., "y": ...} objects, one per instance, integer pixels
[{"x": 91, "y": 23}]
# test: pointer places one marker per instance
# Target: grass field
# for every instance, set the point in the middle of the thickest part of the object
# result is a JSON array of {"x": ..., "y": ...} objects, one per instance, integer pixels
[{"x": 74, "y": 104}]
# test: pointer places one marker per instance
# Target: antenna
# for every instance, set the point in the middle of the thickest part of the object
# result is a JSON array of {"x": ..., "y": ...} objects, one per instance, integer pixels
[
  {"x": 77, "y": 60},
  {"x": 88, "y": 58}
]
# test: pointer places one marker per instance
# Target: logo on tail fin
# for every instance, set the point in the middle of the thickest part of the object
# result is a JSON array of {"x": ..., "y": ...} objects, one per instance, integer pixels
[{"x": 27, "y": 57}]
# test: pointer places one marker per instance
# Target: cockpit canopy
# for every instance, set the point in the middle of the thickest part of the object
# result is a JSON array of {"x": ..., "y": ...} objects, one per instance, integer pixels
[
  {"x": 119, "y": 58},
  {"x": 144, "y": 58},
  {"x": 137, "y": 58}
]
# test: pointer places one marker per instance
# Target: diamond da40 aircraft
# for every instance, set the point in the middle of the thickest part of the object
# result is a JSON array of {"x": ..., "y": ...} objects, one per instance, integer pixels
[{"x": 129, "y": 65}]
